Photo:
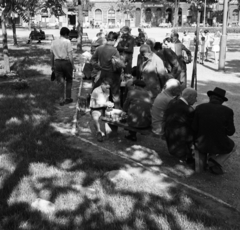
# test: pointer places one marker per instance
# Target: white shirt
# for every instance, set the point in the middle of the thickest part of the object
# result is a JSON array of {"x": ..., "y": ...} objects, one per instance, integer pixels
[
  {"x": 99, "y": 98},
  {"x": 61, "y": 48},
  {"x": 181, "y": 98}
]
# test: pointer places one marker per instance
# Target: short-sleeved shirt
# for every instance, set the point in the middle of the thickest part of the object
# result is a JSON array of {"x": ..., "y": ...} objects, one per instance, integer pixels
[
  {"x": 61, "y": 48},
  {"x": 99, "y": 98}
]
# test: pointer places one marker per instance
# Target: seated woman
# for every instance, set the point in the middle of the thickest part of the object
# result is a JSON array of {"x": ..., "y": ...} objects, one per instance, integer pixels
[
  {"x": 98, "y": 103},
  {"x": 137, "y": 106}
]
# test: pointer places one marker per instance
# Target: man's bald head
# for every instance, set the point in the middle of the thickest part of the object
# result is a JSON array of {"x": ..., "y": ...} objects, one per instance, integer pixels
[
  {"x": 190, "y": 95},
  {"x": 173, "y": 87}
]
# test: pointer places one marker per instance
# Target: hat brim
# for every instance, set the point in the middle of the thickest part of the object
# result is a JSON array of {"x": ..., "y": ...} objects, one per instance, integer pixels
[{"x": 210, "y": 93}]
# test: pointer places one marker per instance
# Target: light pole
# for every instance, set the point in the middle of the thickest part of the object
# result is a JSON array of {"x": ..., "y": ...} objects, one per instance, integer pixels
[
  {"x": 194, "y": 72},
  {"x": 204, "y": 16},
  {"x": 223, "y": 44}
]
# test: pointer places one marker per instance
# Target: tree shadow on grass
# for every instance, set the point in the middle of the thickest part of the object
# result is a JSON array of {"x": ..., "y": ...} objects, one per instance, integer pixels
[{"x": 44, "y": 163}]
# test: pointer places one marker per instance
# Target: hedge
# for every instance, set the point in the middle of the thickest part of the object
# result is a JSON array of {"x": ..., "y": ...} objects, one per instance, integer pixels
[{"x": 210, "y": 29}]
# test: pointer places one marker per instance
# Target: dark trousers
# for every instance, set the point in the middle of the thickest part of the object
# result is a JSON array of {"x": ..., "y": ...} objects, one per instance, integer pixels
[
  {"x": 115, "y": 79},
  {"x": 64, "y": 71},
  {"x": 128, "y": 59}
]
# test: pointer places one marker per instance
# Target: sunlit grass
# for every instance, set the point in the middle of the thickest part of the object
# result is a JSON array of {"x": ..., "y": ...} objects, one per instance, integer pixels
[{"x": 36, "y": 161}]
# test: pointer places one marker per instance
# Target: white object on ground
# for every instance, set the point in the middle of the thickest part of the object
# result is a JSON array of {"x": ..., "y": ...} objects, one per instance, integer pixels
[
  {"x": 116, "y": 175},
  {"x": 44, "y": 206}
]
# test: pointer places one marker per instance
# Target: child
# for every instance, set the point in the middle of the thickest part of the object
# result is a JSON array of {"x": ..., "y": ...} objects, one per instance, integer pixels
[{"x": 202, "y": 49}]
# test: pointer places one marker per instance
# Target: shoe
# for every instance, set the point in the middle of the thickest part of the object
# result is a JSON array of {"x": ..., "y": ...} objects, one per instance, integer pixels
[
  {"x": 62, "y": 102},
  {"x": 38, "y": 42},
  {"x": 217, "y": 169},
  {"x": 68, "y": 100},
  {"x": 99, "y": 137},
  {"x": 131, "y": 138}
]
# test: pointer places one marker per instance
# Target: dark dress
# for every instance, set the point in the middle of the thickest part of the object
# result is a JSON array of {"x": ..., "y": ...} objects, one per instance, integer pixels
[
  {"x": 137, "y": 106},
  {"x": 212, "y": 125},
  {"x": 177, "y": 127}
]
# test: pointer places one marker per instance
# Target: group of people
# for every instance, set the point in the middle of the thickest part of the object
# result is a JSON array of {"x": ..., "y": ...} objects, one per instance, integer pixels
[
  {"x": 36, "y": 35},
  {"x": 156, "y": 95}
]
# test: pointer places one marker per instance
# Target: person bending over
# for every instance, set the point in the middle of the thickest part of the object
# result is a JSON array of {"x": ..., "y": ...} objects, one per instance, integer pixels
[
  {"x": 98, "y": 103},
  {"x": 137, "y": 106}
]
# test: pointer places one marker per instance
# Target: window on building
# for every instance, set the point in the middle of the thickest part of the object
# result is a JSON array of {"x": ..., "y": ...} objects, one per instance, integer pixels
[
  {"x": 235, "y": 16},
  {"x": 111, "y": 18},
  {"x": 98, "y": 15}
]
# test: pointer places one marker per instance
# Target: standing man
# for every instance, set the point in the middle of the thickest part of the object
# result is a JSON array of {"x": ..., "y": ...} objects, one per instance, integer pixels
[
  {"x": 125, "y": 47},
  {"x": 152, "y": 71},
  {"x": 102, "y": 60},
  {"x": 184, "y": 56},
  {"x": 62, "y": 64},
  {"x": 212, "y": 124},
  {"x": 178, "y": 119}
]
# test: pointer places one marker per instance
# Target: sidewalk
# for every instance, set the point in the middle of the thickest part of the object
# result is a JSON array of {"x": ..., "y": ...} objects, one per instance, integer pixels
[{"x": 153, "y": 154}]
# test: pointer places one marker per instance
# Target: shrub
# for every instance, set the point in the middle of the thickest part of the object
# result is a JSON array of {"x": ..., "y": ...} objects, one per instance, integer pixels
[{"x": 211, "y": 29}]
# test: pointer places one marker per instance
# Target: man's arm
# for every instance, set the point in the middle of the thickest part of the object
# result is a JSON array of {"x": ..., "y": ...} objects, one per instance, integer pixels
[
  {"x": 188, "y": 52},
  {"x": 94, "y": 60},
  {"x": 127, "y": 102},
  {"x": 230, "y": 129},
  {"x": 161, "y": 72},
  {"x": 52, "y": 60},
  {"x": 130, "y": 43},
  {"x": 173, "y": 61}
]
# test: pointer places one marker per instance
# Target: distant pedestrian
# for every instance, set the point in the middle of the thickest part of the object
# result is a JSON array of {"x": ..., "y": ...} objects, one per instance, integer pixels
[{"x": 62, "y": 64}]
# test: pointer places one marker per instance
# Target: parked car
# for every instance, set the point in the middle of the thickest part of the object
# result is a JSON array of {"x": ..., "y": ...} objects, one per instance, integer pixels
[
  {"x": 53, "y": 25},
  {"x": 146, "y": 25}
]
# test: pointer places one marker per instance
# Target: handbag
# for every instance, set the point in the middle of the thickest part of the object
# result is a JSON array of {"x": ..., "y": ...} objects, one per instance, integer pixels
[
  {"x": 53, "y": 77},
  {"x": 117, "y": 63}
]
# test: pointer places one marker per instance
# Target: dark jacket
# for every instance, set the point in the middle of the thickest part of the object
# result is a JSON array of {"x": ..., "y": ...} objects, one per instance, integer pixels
[
  {"x": 212, "y": 125},
  {"x": 137, "y": 106},
  {"x": 171, "y": 62},
  {"x": 126, "y": 45},
  {"x": 178, "y": 131}
]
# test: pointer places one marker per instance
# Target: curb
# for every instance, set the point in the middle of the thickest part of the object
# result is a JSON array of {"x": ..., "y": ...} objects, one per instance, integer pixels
[
  {"x": 74, "y": 130},
  {"x": 157, "y": 172}
]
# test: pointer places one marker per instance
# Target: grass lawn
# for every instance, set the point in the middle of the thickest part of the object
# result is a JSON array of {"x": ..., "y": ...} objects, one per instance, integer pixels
[{"x": 37, "y": 161}]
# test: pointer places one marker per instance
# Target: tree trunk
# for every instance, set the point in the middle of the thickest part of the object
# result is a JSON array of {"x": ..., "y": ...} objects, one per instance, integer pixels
[
  {"x": 15, "y": 43},
  {"x": 175, "y": 22},
  {"x": 80, "y": 26},
  {"x": 29, "y": 22},
  {"x": 5, "y": 45}
]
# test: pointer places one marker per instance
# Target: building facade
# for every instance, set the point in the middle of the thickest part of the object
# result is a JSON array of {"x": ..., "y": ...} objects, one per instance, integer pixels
[{"x": 107, "y": 14}]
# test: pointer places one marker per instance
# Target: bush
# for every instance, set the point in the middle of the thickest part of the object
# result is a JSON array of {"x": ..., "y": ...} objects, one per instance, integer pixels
[{"x": 210, "y": 29}]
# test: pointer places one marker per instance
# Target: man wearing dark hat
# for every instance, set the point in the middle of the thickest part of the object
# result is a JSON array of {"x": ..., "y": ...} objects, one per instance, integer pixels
[
  {"x": 212, "y": 124},
  {"x": 137, "y": 106},
  {"x": 125, "y": 47}
]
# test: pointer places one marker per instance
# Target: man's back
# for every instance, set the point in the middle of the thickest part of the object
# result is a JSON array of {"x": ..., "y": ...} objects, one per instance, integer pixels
[
  {"x": 159, "y": 106},
  {"x": 212, "y": 124},
  {"x": 138, "y": 105},
  {"x": 104, "y": 55},
  {"x": 61, "y": 48}
]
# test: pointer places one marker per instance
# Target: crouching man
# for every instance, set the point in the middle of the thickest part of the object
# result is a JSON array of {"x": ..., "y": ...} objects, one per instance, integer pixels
[
  {"x": 137, "y": 106},
  {"x": 98, "y": 104},
  {"x": 178, "y": 131},
  {"x": 212, "y": 124}
]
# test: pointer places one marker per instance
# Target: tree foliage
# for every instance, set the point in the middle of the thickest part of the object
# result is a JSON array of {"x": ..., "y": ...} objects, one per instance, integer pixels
[{"x": 126, "y": 6}]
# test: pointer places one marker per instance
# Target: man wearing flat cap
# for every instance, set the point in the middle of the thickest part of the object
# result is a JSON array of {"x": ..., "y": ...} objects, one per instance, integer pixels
[
  {"x": 137, "y": 106},
  {"x": 125, "y": 47},
  {"x": 212, "y": 125}
]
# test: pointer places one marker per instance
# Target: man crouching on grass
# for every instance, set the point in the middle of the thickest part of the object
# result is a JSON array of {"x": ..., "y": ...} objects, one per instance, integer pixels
[
  {"x": 62, "y": 64},
  {"x": 98, "y": 103}
]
